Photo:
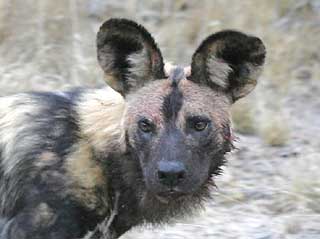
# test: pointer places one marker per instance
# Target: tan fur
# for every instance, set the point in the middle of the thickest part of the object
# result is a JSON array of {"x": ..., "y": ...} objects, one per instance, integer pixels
[
  {"x": 101, "y": 125},
  {"x": 101, "y": 119},
  {"x": 84, "y": 170},
  {"x": 46, "y": 158},
  {"x": 86, "y": 175}
]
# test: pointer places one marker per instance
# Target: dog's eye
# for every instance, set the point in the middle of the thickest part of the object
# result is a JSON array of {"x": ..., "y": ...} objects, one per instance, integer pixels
[
  {"x": 145, "y": 125},
  {"x": 200, "y": 125}
]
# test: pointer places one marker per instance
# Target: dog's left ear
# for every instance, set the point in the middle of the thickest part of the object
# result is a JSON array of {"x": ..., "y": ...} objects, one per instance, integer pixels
[
  {"x": 128, "y": 55},
  {"x": 229, "y": 61}
]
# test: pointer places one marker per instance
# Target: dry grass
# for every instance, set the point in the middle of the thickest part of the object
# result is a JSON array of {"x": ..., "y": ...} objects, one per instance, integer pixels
[
  {"x": 275, "y": 131},
  {"x": 243, "y": 117}
]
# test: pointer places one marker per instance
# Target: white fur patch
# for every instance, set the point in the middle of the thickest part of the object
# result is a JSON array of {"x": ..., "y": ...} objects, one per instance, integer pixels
[
  {"x": 15, "y": 116},
  {"x": 218, "y": 71},
  {"x": 187, "y": 71},
  {"x": 168, "y": 67},
  {"x": 139, "y": 69},
  {"x": 101, "y": 118}
]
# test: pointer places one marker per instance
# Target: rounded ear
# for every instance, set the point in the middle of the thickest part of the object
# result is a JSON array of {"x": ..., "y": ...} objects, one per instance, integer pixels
[
  {"x": 128, "y": 55},
  {"x": 230, "y": 61}
]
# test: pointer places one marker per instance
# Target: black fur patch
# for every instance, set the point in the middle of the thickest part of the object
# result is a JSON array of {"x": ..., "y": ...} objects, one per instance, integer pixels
[
  {"x": 176, "y": 76},
  {"x": 172, "y": 104},
  {"x": 236, "y": 47},
  {"x": 67, "y": 221},
  {"x": 57, "y": 123}
]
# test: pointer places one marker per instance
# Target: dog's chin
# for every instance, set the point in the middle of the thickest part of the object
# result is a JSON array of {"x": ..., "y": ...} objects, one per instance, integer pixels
[
  {"x": 170, "y": 196},
  {"x": 162, "y": 200},
  {"x": 177, "y": 196},
  {"x": 161, "y": 207}
]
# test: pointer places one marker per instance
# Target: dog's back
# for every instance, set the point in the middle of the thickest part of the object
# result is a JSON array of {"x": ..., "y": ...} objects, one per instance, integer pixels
[{"x": 48, "y": 171}]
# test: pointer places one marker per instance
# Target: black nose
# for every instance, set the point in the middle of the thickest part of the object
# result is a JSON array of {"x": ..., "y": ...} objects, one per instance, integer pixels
[{"x": 171, "y": 173}]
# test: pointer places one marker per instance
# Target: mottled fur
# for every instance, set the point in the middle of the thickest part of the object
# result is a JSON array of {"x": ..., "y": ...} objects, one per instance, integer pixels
[
  {"x": 49, "y": 147},
  {"x": 65, "y": 155}
]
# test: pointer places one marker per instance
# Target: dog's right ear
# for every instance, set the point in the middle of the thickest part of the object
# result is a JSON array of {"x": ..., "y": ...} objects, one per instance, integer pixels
[
  {"x": 229, "y": 61},
  {"x": 128, "y": 55}
]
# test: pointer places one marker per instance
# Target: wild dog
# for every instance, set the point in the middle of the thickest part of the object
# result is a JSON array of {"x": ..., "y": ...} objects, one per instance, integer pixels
[{"x": 156, "y": 139}]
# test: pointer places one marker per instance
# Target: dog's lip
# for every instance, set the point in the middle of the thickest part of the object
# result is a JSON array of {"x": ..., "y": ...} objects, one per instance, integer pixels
[
  {"x": 162, "y": 199},
  {"x": 167, "y": 196}
]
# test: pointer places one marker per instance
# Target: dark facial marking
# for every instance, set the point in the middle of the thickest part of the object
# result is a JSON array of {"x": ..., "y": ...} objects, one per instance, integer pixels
[
  {"x": 176, "y": 75},
  {"x": 173, "y": 102}
]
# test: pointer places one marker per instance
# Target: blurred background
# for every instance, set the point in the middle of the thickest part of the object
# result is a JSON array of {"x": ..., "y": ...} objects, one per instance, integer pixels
[{"x": 270, "y": 188}]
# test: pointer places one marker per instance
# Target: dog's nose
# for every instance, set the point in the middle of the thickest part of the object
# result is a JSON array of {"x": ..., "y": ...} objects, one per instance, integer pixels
[{"x": 171, "y": 173}]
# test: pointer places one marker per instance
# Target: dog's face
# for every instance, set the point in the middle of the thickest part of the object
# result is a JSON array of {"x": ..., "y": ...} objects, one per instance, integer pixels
[
  {"x": 177, "y": 121},
  {"x": 179, "y": 133}
]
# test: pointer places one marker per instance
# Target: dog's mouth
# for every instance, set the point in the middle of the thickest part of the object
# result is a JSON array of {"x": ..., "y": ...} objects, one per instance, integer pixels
[{"x": 169, "y": 196}]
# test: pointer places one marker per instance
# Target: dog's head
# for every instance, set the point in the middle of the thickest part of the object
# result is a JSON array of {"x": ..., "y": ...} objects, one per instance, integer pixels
[{"x": 177, "y": 121}]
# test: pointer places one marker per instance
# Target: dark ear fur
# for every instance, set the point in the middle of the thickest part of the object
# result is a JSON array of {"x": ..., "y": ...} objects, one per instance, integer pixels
[
  {"x": 128, "y": 55},
  {"x": 230, "y": 61}
]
